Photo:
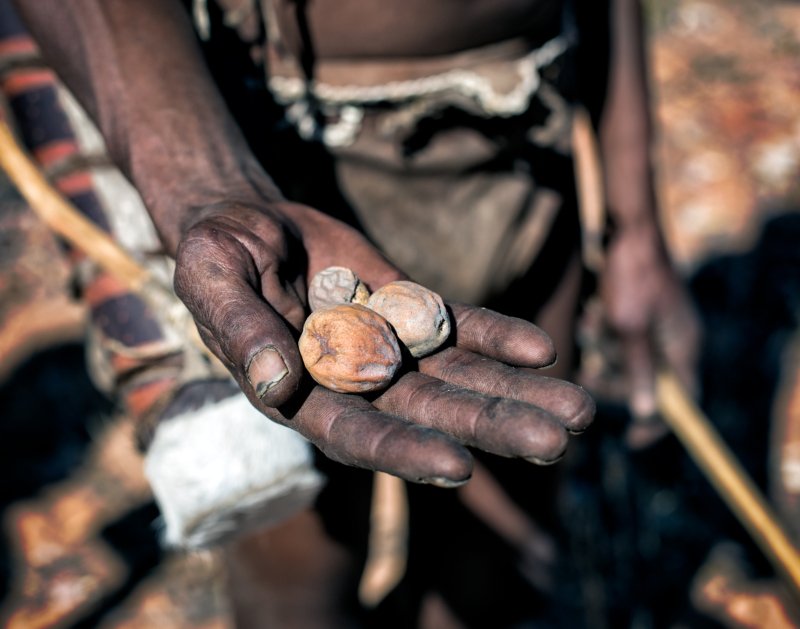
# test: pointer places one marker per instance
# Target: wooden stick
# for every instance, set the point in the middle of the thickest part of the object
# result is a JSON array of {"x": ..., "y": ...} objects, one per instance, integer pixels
[
  {"x": 388, "y": 539},
  {"x": 727, "y": 476},
  {"x": 63, "y": 218},
  {"x": 590, "y": 188}
]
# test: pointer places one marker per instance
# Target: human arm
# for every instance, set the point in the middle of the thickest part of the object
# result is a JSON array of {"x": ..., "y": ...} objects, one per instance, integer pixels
[
  {"x": 244, "y": 255},
  {"x": 645, "y": 301}
]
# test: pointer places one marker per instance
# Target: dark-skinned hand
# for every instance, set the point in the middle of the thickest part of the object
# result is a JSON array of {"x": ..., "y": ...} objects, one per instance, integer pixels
[
  {"x": 648, "y": 308},
  {"x": 243, "y": 270}
]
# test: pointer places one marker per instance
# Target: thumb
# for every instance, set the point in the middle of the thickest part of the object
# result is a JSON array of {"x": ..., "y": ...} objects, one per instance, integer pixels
[{"x": 217, "y": 280}]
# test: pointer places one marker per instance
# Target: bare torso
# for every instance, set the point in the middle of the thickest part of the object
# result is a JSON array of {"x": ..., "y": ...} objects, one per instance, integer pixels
[{"x": 412, "y": 28}]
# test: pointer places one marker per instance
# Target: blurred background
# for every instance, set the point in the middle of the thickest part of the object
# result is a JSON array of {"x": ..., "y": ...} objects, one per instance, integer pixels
[{"x": 653, "y": 545}]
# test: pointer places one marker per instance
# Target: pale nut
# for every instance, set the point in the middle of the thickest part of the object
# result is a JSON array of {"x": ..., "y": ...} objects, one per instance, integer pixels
[
  {"x": 334, "y": 286},
  {"x": 349, "y": 349},
  {"x": 417, "y": 314}
]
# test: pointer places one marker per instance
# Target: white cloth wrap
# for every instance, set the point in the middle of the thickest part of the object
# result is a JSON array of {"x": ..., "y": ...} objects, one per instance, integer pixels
[{"x": 226, "y": 468}]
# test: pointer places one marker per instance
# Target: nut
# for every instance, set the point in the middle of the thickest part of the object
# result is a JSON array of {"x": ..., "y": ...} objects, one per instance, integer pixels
[
  {"x": 417, "y": 314},
  {"x": 349, "y": 349},
  {"x": 334, "y": 286}
]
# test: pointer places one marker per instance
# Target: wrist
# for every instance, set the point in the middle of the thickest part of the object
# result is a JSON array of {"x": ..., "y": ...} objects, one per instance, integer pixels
[
  {"x": 642, "y": 232},
  {"x": 179, "y": 198}
]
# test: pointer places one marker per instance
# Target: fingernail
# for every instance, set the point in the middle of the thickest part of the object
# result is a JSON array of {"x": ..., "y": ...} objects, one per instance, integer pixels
[
  {"x": 542, "y": 462},
  {"x": 441, "y": 481},
  {"x": 266, "y": 369}
]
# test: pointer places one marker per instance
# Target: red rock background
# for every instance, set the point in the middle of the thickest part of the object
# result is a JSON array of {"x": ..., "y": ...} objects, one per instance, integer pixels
[{"x": 726, "y": 82}]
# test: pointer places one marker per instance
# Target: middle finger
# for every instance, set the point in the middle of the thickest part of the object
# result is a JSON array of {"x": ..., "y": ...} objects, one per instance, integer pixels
[{"x": 498, "y": 425}]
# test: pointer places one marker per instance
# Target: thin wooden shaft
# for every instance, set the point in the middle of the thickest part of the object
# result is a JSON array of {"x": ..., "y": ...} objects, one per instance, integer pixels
[
  {"x": 388, "y": 539},
  {"x": 67, "y": 221},
  {"x": 725, "y": 473},
  {"x": 62, "y": 217},
  {"x": 591, "y": 192}
]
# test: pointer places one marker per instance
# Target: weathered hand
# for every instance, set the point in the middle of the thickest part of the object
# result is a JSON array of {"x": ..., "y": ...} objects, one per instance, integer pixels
[
  {"x": 648, "y": 307},
  {"x": 243, "y": 271}
]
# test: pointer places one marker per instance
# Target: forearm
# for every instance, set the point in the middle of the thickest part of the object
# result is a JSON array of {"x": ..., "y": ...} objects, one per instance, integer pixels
[
  {"x": 625, "y": 124},
  {"x": 137, "y": 69}
]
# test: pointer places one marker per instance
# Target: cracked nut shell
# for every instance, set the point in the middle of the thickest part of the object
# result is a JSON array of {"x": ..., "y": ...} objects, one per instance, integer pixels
[
  {"x": 349, "y": 349},
  {"x": 334, "y": 286},
  {"x": 417, "y": 314}
]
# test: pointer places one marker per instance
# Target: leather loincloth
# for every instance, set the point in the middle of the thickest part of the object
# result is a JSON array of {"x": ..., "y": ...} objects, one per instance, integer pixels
[{"x": 455, "y": 166}]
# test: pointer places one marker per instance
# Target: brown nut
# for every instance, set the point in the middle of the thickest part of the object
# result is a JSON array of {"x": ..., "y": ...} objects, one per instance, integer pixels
[
  {"x": 336, "y": 285},
  {"x": 416, "y": 313},
  {"x": 349, "y": 349}
]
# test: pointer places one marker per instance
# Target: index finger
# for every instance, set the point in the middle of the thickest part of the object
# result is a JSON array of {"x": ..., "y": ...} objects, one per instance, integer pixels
[{"x": 508, "y": 339}]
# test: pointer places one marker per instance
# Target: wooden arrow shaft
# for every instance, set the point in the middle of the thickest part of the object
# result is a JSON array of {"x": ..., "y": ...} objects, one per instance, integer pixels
[{"x": 727, "y": 476}]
